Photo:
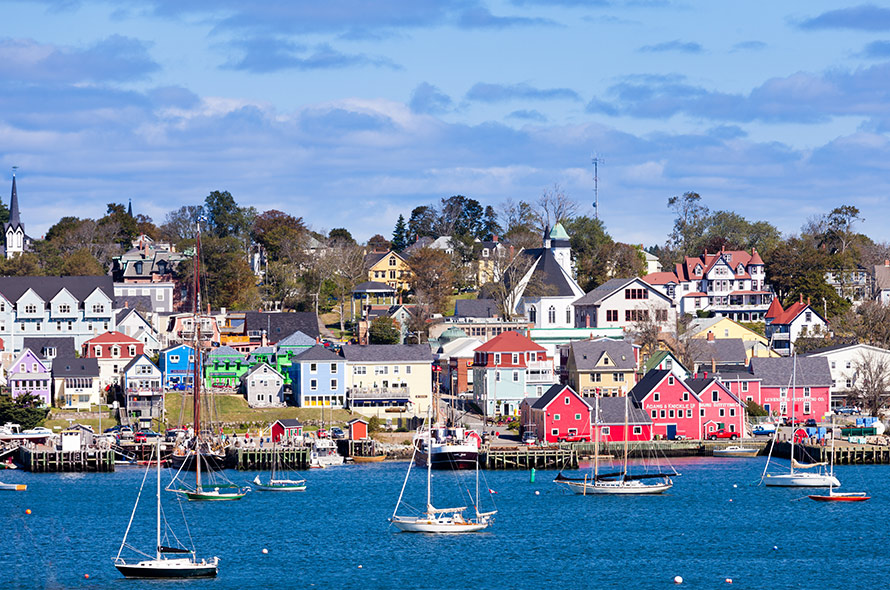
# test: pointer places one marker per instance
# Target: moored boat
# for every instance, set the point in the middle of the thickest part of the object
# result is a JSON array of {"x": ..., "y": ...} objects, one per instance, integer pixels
[
  {"x": 13, "y": 487},
  {"x": 736, "y": 451},
  {"x": 371, "y": 459}
]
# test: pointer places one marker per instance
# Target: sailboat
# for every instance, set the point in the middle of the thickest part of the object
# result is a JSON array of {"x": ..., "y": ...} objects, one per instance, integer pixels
[
  {"x": 798, "y": 477},
  {"x": 440, "y": 520},
  {"x": 620, "y": 482},
  {"x": 182, "y": 564},
  {"x": 202, "y": 452},
  {"x": 838, "y": 496},
  {"x": 276, "y": 483}
]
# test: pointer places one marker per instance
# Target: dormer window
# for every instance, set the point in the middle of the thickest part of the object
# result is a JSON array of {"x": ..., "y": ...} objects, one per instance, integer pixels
[
  {"x": 30, "y": 308},
  {"x": 64, "y": 308},
  {"x": 392, "y": 260},
  {"x": 485, "y": 252},
  {"x": 741, "y": 269},
  {"x": 97, "y": 351},
  {"x": 132, "y": 350},
  {"x": 115, "y": 351},
  {"x": 98, "y": 308},
  {"x": 698, "y": 269}
]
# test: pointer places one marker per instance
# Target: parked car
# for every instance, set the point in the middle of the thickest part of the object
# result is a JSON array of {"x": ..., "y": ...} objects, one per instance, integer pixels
[
  {"x": 573, "y": 438},
  {"x": 811, "y": 422},
  {"x": 113, "y": 428},
  {"x": 723, "y": 433},
  {"x": 173, "y": 433},
  {"x": 762, "y": 430},
  {"x": 125, "y": 432},
  {"x": 39, "y": 430},
  {"x": 848, "y": 410},
  {"x": 145, "y": 436},
  {"x": 786, "y": 421},
  {"x": 337, "y": 432},
  {"x": 529, "y": 438},
  {"x": 321, "y": 433}
]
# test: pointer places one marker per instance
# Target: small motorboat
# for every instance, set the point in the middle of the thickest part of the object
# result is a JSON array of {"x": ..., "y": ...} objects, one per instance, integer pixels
[
  {"x": 371, "y": 459},
  {"x": 736, "y": 451},
  {"x": 13, "y": 487},
  {"x": 840, "y": 497}
]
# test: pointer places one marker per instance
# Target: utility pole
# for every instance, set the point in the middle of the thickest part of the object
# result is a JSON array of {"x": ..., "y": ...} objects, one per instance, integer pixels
[{"x": 596, "y": 198}]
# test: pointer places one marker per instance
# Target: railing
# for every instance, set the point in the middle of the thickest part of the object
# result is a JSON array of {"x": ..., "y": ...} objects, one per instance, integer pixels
[
  {"x": 143, "y": 406},
  {"x": 379, "y": 393}
]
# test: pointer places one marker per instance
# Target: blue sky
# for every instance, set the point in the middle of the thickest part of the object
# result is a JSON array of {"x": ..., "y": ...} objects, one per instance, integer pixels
[{"x": 350, "y": 112}]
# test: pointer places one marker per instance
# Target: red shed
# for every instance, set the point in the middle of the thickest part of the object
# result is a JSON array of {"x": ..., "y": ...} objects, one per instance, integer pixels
[
  {"x": 358, "y": 429},
  {"x": 560, "y": 414},
  {"x": 287, "y": 429}
]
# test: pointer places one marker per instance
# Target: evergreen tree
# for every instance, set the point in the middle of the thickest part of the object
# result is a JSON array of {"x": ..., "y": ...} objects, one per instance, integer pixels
[
  {"x": 490, "y": 225},
  {"x": 400, "y": 235}
]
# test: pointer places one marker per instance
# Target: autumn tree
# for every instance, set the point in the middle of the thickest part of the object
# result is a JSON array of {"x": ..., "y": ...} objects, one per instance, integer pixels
[
  {"x": 432, "y": 278},
  {"x": 179, "y": 225},
  {"x": 347, "y": 268},
  {"x": 226, "y": 277},
  {"x": 284, "y": 237},
  {"x": 378, "y": 243},
  {"x": 384, "y": 330}
]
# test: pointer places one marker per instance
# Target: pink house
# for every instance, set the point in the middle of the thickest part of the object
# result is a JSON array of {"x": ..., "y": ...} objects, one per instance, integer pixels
[
  {"x": 558, "y": 415},
  {"x": 693, "y": 408}
]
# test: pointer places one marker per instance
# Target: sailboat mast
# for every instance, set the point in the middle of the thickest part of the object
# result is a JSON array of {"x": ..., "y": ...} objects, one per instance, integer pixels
[
  {"x": 429, "y": 459},
  {"x": 793, "y": 399},
  {"x": 158, "y": 543},
  {"x": 196, "y": 383},
  {"x": 596, "y": 448},
  {"x": 624, "y": 475}
]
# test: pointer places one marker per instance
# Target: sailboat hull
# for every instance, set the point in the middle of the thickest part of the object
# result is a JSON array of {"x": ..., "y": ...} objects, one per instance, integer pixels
[
  {"x": 422, "y": 524},
  {"x": 801, "y": 480},
  {"x": 617, "y": 488},
  {"x": 445, "y": 458},
  {"x": 168, "y": 568},
  {"x": 851, "y": 497},
  {"x": 187, "y": 462}
]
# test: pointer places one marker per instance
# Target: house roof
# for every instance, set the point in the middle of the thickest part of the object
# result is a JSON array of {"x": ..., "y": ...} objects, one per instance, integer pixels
[
  {"x": 546, "y": 275},
  {"x": 373, "y": 287},
  {"x": 812, "y": 371},
  {"x": 288, "y": 422},
  {"x": 71, "y": 366},
  {"x": 661, "y": 278},
  {"x": 64, "y": 345},
  {"x": 787, "y": 316},
  {"x": 297, "y": 339},
  {"x": 279, "y": 324},
  {"x": 130, "y": 303},
  {"x": 882, "y": 276},
  {"x": 551, "y": 394},
  {"x": 510, "y": 341},
  {"x": 318, "y": 353},
  {"x": 697, "y": 385},
  {"x": 611, "y": 411},
  {"x": 175, "y": 346},
  {"x": 372, "y": 353},
  {"x": 612, "y": 286},
  {"x": 135, "y": 360},
  {"x": 260, "y": 367},
  {"x": 720, "y": 350},
  {"x": 475, "y": 308},
  {"x": 559, "y": 232},
  {"x": 588, "y": 353},
  {"x": 48, "y": 287},
  {"x": 647, "y": 383},
  {"x": 225, "y": 351},
  {"x": 112, "y": 337},
  {"x": 357, "y": 420}
]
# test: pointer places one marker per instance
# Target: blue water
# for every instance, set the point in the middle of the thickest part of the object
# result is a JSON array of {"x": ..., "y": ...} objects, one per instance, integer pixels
[{"x": 704, "y": 530}]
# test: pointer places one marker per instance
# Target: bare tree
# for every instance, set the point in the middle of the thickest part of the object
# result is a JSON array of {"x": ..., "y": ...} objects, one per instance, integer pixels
[
  {"x": 507, "y": 292},
  {"x": 347, "y": 268},
  {"x": 872, "y": 380},
  {"x": 554, "y": 207}
]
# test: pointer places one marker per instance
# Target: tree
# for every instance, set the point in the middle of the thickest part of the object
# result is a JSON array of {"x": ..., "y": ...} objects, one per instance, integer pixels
[
  {"x": 400, "y": 235},
  {"x": 554, "y": 206},
  {"x": 81, "y": 263},
  {"x": 432, "y": 279},
  {"x": 340, "y": 235},
  {"x": 868, "y": 323},
  {"x": 797, "y": 270},
  {"x": 872, "y": 380},
  {"x": 225, "y": 218},
  {"x": 179, "y": 225},
  {"x": 347, "y": 265},
  {"x": 460, "y": 215},
  {"x": 423, "y": 222},
  {"x": 25, "y": 410},
  {"x": 26, "y": 264},
  {"x": 378, "y": 243},
  {"x": 121, "y": 225},
  {"x": 384, "y": 330},
  {"x": 283, "y": 236},
  {"x": 505, "y": 292},
  {"x": 490, "y": 226},
  {"x": 226, "y": 277},
  {"x": 520, "y": 224},
  {"x": 689, "y": 224}
]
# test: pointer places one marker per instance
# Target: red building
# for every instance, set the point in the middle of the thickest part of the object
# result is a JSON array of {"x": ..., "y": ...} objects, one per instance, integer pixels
[
  {"x": 506, "y": 370},
  {"x": 113, "y": 351},
  {"x": 692, "y": 408},
  {"x": 286, "y": 429},
  {"x": 612, "y": 423},
  {"x": 557, "y": 415},
  {"x": 358, "y": 429}
]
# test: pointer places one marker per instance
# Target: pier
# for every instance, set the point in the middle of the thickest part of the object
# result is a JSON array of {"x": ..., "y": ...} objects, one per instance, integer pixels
[
  {"x": 250, "y": 458},
  {"x": 51, "y": 460},
  {"x": 564, "y": 457},
  {"x": 844, "y": 454}
]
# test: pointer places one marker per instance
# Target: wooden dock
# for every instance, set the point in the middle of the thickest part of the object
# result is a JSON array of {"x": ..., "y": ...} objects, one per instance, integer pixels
[
  {"x": 49, "y": 461},
  {"x": 563, "y": 457},
  {"x": 844, "y": 454},
  {"x": 250, "y": 459}
]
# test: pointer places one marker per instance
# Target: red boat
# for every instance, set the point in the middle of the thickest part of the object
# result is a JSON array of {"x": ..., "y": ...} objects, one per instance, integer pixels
[{"x": 841, "y": 497}]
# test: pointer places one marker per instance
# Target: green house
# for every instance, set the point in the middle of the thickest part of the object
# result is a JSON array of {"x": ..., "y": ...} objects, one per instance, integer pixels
[
  {"x": 224, "y": 367},
  {"x": 288, "y": 348}
]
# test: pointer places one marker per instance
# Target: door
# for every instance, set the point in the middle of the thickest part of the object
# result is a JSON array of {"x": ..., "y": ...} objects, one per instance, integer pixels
[{"x": 671, "y": 431}]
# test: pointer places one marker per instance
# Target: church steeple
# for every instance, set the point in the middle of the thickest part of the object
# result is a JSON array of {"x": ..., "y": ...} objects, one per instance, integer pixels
[
  {"x": 15, "y": 240},
  {"x": 14, "y": 219},
  {"x": 130, "y": 208}
]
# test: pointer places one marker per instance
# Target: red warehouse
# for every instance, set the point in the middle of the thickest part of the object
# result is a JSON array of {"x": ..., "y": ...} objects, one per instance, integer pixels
[{"x": 560, "y": 414}]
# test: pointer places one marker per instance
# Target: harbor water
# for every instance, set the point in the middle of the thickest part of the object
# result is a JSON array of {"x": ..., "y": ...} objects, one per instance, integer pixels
[{"x": 713, "y": 525}]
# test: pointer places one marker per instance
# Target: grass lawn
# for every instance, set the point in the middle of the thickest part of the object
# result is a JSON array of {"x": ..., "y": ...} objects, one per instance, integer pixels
[{"x": 234, "y": 411}]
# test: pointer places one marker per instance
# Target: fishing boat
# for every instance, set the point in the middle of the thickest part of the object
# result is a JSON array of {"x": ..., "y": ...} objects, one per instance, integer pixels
[
  {"x": 202, "y": 454},
  {"x": 618, "y": 482},
  {"x": 168, "y": 561},
  {"x": 276, "y": 483},
  {"x": 323, "y": 453},
  {"x": 440, "y": 520},
  {"x": 736, "y": 451},
  {"x": 13, "y": 487},
  {"x": 799, "y": 475},
  {"x": 444, "y": 447},
  {"x": 833, "y": 496}
]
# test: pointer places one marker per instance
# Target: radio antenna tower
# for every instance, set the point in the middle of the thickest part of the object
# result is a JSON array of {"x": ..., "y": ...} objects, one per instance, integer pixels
[{"x": 596, "y": 197}]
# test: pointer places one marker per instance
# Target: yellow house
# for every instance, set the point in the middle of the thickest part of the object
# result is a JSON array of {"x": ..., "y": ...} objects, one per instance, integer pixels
[
  {"x": 390, "y": 268},
  {"x": 605, "y": 366},
  {"x": 756, "y": 345}
]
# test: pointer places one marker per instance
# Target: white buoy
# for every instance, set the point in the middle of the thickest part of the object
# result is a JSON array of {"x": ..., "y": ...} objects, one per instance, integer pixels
[
  {"x": 775, "y": 548},
  {"x": 537, "y": 493},
  {"x": 360, "y": 566},
  {"x": 729, "y": 580},
  {"x": 735, "y": 485},
  {"x": 265, "y": 550},
  {"x": 678, "y": 579}
]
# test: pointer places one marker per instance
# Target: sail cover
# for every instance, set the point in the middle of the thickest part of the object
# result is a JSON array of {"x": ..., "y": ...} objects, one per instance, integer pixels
[
  {"x": 797, "y": 465},
  {"x": 163, "y": 549}
]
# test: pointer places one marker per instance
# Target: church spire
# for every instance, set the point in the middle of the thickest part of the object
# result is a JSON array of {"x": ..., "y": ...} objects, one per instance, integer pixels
[
  {"x": 14, "y": 219},
  {"x": 130, "y": 208}
]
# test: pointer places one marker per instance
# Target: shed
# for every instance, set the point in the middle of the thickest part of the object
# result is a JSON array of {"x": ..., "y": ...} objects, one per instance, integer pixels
[
  {"x": 358, "y": 429},
  {"x": 287, "y": 429}
]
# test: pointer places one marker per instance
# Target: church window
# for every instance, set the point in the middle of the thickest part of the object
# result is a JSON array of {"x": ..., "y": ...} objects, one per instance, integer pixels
[
  {"x": 532, "y": 314},
  {"x": 551, "y": 315}
]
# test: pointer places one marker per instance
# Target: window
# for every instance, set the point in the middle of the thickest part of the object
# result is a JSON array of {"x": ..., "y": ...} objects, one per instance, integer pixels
[
  {"x": 701, "y": 412},
  {"x": 618, "y": 377},
  {"x": 333, "y": 385},
  {"x": 97, "y": 351},
  {"x": 554, "y": 431},
  {"x": 516, "y": 376},
  {"x": 532, "y": 314},
  {"x": 656, "y": 397},
  {"x": 556, "y": 416},
  {"x": 313, "y": 384},
  {"x": 333, "y": 367},
  {"x": 605, "y": 430},
  {"x": 685, "y": 396},
  {"x": 806, "y": 392},
  {"x": 655, "y": 413},
  {"x": 30, "y": 308},
  {"x": 744, "y": 386},
  {"x": 783, "y": 392},
  {"x": 313, "y": 368},
  {"x": 174, "y": 358},
  {"x": 551, "y": 315},
  {"x": 408, "y": 369},
  {"x": 662, "y": 413},
  {"x": 568, "y": 315},
  {"x": 64, "y": 308},
  {"x": 715, "y": 396},
  {"x": 722, "y": 412},
  {"x": 661, "y": 315},
  {"x": 636, "y": 294},
  {"x": 497, "y": 375},
  {"x": 611, "y": 315},
  {"x": 115, "y": 351},
  {"x": 689, "y": 413},
  {"x": 497, "y": 358},
  {"x": 670, "y": 380},
  {"x": 567, "y": 400},
  {"x": 359, "y": 370},
  {"x": 577, "y": 416},
  {"x": 636, "y": 315},
  {"x": 809, "y": 317},
  {"x": 515, "y": 359},
  {"x": 98, "y": 308},
  {"x": 732, "y": 411},
  {"x": 806, "y": 407},
  {"x": 131, "y": 350},
  {"x": 670, "y": 413},
  {"x": 392, "y": 260}
]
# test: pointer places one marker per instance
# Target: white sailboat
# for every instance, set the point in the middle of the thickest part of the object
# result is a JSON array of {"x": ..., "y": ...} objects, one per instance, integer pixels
[
  {"x": 440, "y": 520},
  {"x": 798, "y": 475},
  {"x": 184, "y": 564},
  {"x": 276, "y": 483},
  {"x": 833, "y": 496},
  {"x": 621, "y": 482}
]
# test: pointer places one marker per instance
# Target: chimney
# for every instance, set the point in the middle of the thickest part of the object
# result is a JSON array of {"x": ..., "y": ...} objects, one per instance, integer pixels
[
  {"x": 494, "y": 238},
  {"x": 801, "y": 298},
  {"x": 713, "y": 365},
  {"x": 808, "y": 300},
  {"x": 887, "y": 262},
  {"x": 710, "y": 336},
  {"x": 586, "y": 320},
  {"x": 705, "y": 375},
  {"x": 126, "y": 305},
  {"x": 263, "y": 341}
]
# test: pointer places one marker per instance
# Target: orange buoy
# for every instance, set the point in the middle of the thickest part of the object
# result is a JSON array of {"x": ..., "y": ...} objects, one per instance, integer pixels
[
  {"x": 86, "y": 576},
  {"x": 28, "y": 511}
]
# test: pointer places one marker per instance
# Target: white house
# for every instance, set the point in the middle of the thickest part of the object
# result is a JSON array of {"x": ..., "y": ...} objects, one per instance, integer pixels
[
  {"x": 621, "y": 303},
  {"x": 785, "y": 326},
  {"x": 263, "y": 386},
  {"x": 134, "y": 325},
  {"x": 844, "y": 361}
]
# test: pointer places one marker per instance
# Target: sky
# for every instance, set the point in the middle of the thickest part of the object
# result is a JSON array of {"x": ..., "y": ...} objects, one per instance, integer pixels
[{"x": 348, "y": 113}]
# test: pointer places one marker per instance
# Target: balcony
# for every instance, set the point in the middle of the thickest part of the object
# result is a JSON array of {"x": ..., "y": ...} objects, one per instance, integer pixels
[{"x": 376, "y": 393}]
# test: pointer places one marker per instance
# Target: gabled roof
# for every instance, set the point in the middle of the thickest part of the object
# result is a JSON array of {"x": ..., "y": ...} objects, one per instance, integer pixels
[
  {"x": 261, "y": 367},
  {"x": 372, "y": 287},
  {"x": 612, "y": 286},
  {"x": 124, "y": 314},
  {"x": 700, "y": 384},
  {"x": 548, "y": 276},
  {"x": 511, "y": 341},
  {"x": 280, "y": 324},
  {"x": 175, "y": 346},
  {"x": 588, "y": 354},
  {"x": 720, "y": 351},
  {"x": 318, "y": 353},
  {"x": 12, "y": 288},
  {"x": 134, "y": 361},
  {"x": 373, "y": 353},
  {"x": 225, "y": 351},
  {"x": 812, "y": 371},
  {"x": 789, "y": 315},
  {"x": 553, "y": 393},
  {"x": 64, "y": 345},
  {"x": 297, "y": 339},
  {"x": 475, "y": 308},
  {"x": 775, "y": 310},
  {"x": 611, "y": 411},
  {"x": 661, "y": 278},
  {"x": 288, "y": 422},
  {"x": 112, "y": 337},
  {"x": 649, "y": 381},
  {"x": 75, "y": 367}
]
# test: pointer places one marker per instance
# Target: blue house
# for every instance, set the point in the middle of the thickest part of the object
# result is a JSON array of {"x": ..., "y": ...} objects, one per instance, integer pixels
[
  {"x": 318, "y": 379},
  {"x": 177, "y": 365}
]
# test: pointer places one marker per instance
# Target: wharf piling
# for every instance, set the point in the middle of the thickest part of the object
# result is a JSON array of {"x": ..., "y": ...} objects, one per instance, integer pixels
[
  {"x": 528, "y": 458},
  {"x": 248, "y": 458},
  {"x": 843, "y": 454},
  {"x": 51, "y": 460}
]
